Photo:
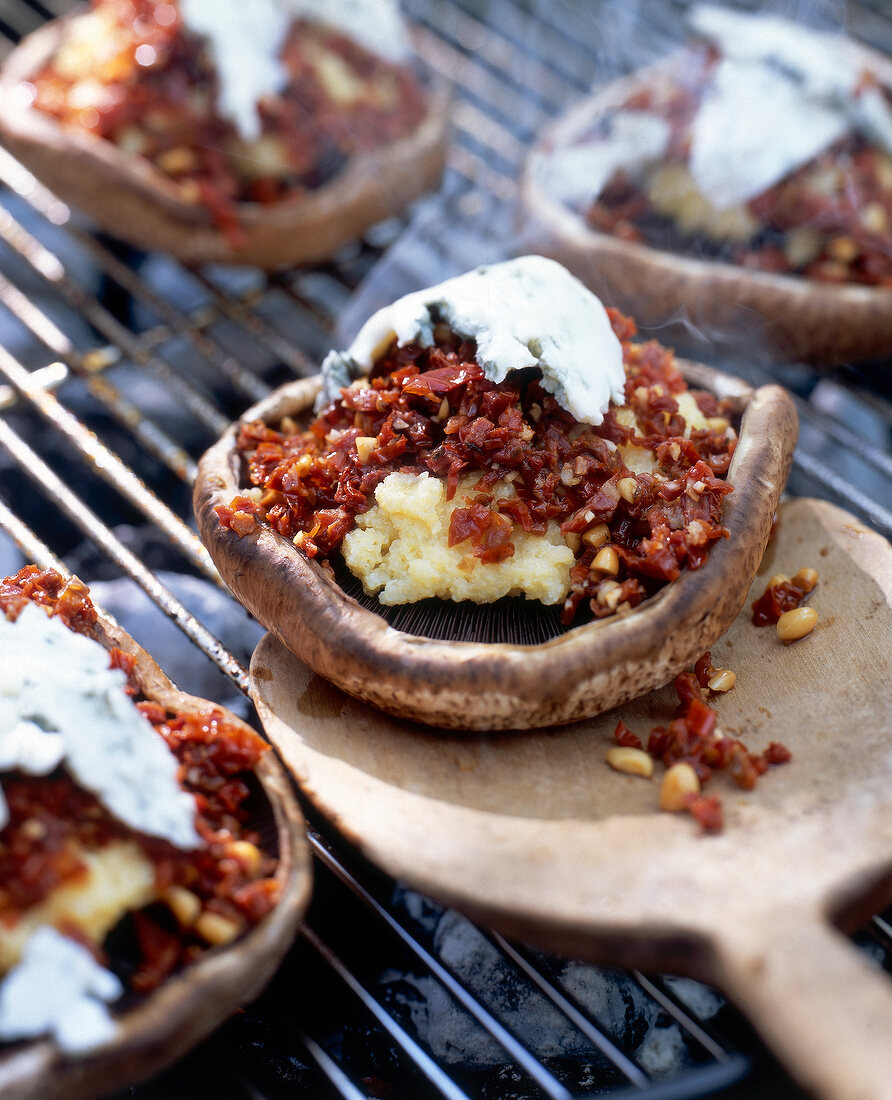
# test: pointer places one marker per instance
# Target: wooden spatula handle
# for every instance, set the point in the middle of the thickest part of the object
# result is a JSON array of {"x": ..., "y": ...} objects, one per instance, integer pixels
[{"x": 818, "y": 1001}]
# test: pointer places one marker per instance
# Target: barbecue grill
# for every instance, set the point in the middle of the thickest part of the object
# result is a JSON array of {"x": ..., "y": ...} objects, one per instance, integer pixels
[{"x": 117, "y": 369}]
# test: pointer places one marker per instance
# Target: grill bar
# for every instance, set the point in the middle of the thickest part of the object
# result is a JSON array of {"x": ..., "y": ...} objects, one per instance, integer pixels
[
  {"x": 33, "y": 548},
  {"x": 457, "y": 989},
  {"x": 109, "y": 466},
  {"x": 625, "y": 1065},
  {"x": 93, "y": 529},
  {"x": 844, "y": 490},
  {"x": 441, "y": 1081},
  {"x": 332, "y": 1070},
  {"x": 48, "y": 265}
]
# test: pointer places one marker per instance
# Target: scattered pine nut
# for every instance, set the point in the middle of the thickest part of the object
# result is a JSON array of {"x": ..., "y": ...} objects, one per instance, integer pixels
[
  {"x": 216, "y": 929},
  {"x": 679, "y": 781},
  {"x": 806, "y": 579},
  {"x": 184, "y": 905},
  {"x": 796, "y": 624},
  {"x": 631, "y": 761},
  {"x": 723, "y": 680},
  {"x": 628, "y": 489}
]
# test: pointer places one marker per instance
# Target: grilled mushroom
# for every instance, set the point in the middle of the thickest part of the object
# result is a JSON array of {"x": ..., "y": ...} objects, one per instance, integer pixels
[
  {"x": 820, "y": 322},
  {"x": 131, "y": 199},
  {"x": 191, "y": 1003},
  {"x": 471, "y": 685}
]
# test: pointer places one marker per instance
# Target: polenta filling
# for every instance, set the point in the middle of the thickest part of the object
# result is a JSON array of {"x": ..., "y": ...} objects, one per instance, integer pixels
[
  {"x": 132, "y": 72},
  {"x": 433, "y": 480},
  {"x": 66, "y": 862}
]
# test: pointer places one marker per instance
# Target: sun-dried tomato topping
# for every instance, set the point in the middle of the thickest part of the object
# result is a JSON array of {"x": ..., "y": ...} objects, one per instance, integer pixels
[
  {"x": 164, "y": 110},
  {"x": 706, "y": 810},
  {"x": 777, "y": 754},
  {"x": 66, "y": 599},
  {"x": 693, "y": 737},
  {"x": 51, "y": 820},
  {"x": 624, "y": 736},
  {"x": 842, "y": 198},
  {"x": 782, "y": 596},
  {"x": 433, "y": 410}
]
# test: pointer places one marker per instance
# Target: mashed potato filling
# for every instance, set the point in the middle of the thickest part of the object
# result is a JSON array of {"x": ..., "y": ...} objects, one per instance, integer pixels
[
  {"x": 399, "y": 549},
  {"x": 642, "y": 460}
]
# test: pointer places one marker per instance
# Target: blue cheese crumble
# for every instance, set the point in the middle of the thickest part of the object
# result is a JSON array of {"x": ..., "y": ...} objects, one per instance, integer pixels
[
  {"x": 527, "y": 312},
  {"x": 61, "y": 703}
]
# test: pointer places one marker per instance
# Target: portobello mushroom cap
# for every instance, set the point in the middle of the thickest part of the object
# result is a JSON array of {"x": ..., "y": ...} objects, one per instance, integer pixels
[
  {"x": 191, "y": 1003},
  {"x": 132, "y": 200},
  {"x": 464, "y": 685},
  {"x": 791, "y": 317}
]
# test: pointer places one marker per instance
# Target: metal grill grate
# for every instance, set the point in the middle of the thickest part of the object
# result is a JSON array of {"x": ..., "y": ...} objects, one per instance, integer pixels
[{"x": 117, "y": 370}]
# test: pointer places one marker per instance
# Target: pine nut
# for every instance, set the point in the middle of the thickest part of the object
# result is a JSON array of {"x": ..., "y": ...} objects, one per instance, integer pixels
[
  {"x": 874, "y": 219},
  {"x": 33, "y": 829},
  {"x": 806, "y": 579},
  {"x": 184, "y": 905},
  {"x": 778, "y": 578},
  {"x": 568, "y": 476},
  {"x": 606, "y": 561},
  {"x": 678, "y": 782},
  {"x": 609, "y": 592},
  {"x": 365, "y": 444},
  {"x": 177, "y": 161},
  {"x": 216, "y": 929},
  {"x": 596, "y": 536},
  {"x": 631, "y": 761},
  {"x": 843, "y": 249},
  {"x": 718, "y": 424},
  {"x": 628, "y": 489},
  {"x": 796, "y": 624},
  {"x": 723, "y": 680},
  {"x": 245, "y": 853}
]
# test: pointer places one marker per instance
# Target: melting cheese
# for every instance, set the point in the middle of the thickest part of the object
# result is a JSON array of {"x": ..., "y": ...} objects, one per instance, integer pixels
[
  {"x": 781, "y": 95},
  {"x": 577, "y": 174},
  {"x": 528, "y": 312},
  {"x": 58, "y": 989},
  {"x": 753, "y": 128},
  {"x": 59, "y": 701},
  {"x": 246, "y": 39}
]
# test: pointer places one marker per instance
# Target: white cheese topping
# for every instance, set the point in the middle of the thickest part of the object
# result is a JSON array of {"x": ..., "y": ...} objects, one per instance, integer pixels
[
  {"x": 246, "y": 39},
  {"x": 528, "y": 312},
  {"x": 754, "y": 127},
  {"x": 577, "y": 174},
  {"x": 59, "y": 699},
  {"x": 58, "y": 989},
  {"x": 781, "y": 94},
  {"x": 375, "y": 24},
  {"x": 813, "y": 57}
]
